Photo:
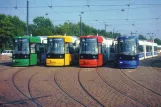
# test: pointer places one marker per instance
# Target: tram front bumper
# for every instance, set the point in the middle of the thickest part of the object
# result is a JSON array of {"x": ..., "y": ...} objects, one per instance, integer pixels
[
  {"x": 55, "y": 62},
  {"x": 127, "y": 64},
  {"x": 88, "y": 63},
  {"x": 20, "y": 62}
]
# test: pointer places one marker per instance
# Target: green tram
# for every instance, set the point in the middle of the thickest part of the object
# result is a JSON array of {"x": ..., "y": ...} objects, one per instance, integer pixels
[{"x": 27, "y": 50}]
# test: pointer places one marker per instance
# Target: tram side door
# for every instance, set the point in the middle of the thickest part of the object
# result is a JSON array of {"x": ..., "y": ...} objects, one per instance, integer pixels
[
  {"x": 33, "y": 55},
  {"x": 67, "y": 58},
  {"x": 100, "y": 55}
]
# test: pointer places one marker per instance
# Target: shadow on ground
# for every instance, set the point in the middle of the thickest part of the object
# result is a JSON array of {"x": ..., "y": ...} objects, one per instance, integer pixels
[
  {"x": 151, "y": 62},
  {"x": 6, "y": 63}
]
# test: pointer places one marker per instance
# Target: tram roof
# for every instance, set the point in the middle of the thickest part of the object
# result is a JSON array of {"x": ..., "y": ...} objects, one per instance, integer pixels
[
  {"x": 100, "y": 38},
  {"x": 124, "y": 37},
  {"x": 33, "y": 39},
  {"x": 66, "y": 38}
]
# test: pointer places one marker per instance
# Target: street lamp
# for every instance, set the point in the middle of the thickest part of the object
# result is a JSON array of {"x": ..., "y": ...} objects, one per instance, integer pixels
[
  {"x": 27, "y": 19},
  {"x": 97, "y": 29},
  {"x": 105, "y": 27},
  {"x": 80, "y": 25}
]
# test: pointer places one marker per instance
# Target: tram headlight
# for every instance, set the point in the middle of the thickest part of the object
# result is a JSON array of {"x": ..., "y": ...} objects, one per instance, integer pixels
[
  {"x": 133, "y": 57},
  {"x": 48, "y": 56},
  {"x": 26, "y": 56},
  {"x": 94, "y": 56},
  {"x": 81, "y": 56},
  {"x": 120, "y": 58}
]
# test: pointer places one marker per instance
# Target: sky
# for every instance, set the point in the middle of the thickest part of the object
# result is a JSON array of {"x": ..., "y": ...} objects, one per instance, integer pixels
[{"x": 123, "y": 16}]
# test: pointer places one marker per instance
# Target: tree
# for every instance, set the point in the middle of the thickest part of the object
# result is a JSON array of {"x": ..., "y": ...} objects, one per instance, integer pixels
[
  {"x": 141, "y": 37},
  {"x": 10, "y": 26},
  {"x": 41, "y": 26},
  {"x": 18, "y": 26},
  {"x": 5, "y": 30},
  {"x": 158, "y": 41}
]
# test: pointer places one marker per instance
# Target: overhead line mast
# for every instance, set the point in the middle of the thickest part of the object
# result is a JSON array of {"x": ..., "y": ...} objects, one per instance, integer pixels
[{"x": 27, "y": 32}]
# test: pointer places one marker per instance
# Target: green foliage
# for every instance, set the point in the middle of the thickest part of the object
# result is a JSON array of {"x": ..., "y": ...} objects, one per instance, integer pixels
[
  {"x": 41, "y": 26},
  {"x": 141, "y": 37},
  {"x": 158, "y": 41},
  {"x": 10, "y": 26}
]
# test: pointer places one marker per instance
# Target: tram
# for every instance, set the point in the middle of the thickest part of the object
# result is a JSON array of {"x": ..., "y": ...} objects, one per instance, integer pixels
[
  {"x": 93, "y": 51},
  {"x": 24, "y": 52},
  {"x": 142, "y": 50},
  {"x": 148, "y": 47},
  {"x": 127, "y": 52},
  {"x": 62, "y": 50},
  {"x": 155, "y": 49}
]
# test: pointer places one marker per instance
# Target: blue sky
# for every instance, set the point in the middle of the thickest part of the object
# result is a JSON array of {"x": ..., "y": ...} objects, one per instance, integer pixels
[{"x": 141, "y": 16}]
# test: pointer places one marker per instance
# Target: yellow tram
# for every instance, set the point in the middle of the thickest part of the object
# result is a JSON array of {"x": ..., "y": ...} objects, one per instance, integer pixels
[{"x": 62, "y": 50}]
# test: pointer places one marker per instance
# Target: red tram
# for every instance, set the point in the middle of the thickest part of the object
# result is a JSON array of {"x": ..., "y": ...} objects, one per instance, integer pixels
[{"x": 93, "y": 51}]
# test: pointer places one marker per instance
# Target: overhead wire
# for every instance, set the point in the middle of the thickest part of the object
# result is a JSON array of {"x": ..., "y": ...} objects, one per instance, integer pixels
[
  {"x": 113, "y": 5},
  {"x": 91, "y": 11},
  {"x": 133, "y": 2},
  {"x": 50, "y": 6}
]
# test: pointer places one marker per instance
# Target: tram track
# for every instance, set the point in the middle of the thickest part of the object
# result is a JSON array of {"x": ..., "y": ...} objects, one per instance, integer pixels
[
  {"x": 90, "y": 95},
  {"x": 140, "y": 83},
  {"x": 77, "y": 91},
  {"x": 106, "y": 95},
  {"x": 120, "y": 91},
  {"x": 44, "y": 85},
  {"x": 9, "y": 95},
  {"x": 60, "y": 87},
  {"x": 28, "y": 85}
]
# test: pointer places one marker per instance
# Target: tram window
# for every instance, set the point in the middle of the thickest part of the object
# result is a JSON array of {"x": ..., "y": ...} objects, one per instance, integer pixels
[
  {"x": 150, "y": 48},
  {"x": 140, "y": 49},
  {"x": 112, "y": 49},
  {"x": 103, "y": 48},
  {"x": 37, "y": 47},
  {"x": 99, "y": 48},
  {"x": 71, "y": 47},
  {"x": 43, "y": 48},
  {"x": 147, "y": 48},
  {"x": 67, "y": 48},
  {"x": 32, "y": 48}
]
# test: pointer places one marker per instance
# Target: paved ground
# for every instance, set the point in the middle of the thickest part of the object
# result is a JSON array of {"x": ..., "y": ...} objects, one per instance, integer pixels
[{"x": 39, "y": 86}]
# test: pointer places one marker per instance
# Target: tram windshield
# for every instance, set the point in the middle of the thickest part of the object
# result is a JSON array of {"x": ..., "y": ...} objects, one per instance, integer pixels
[
  {"x": 55, "y": 46},
  {"x": 21, "y": 46},
  {"x": 127, "y": 46},
  {"x": 88, "y": 46}
]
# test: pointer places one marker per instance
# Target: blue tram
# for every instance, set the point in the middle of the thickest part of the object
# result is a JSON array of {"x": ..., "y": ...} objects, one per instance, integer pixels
[{"x": 127, "y": 52}]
